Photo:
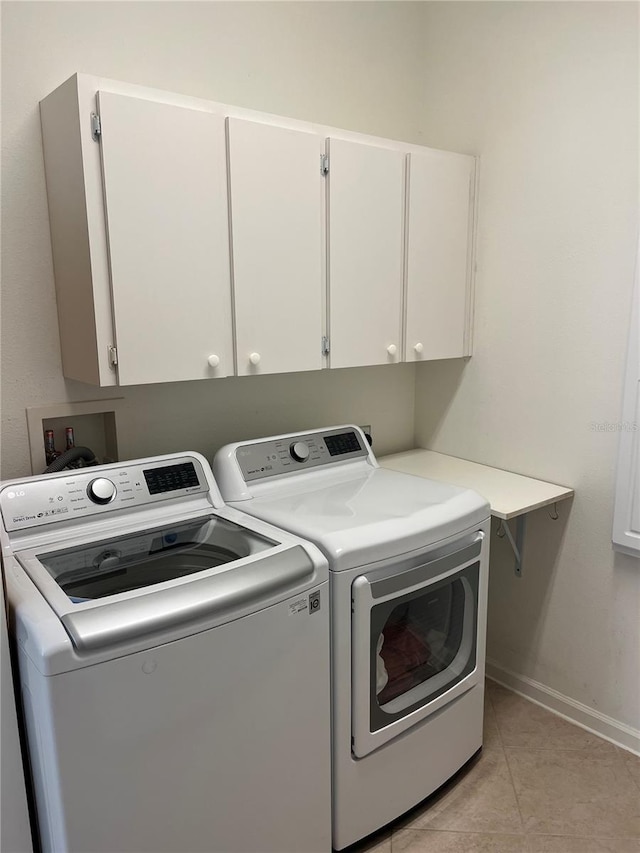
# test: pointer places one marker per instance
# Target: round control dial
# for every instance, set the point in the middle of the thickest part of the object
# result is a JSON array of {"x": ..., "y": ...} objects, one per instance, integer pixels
[
  {"x": 299, "y": 451},
  {"x": 101, "y": 490}
]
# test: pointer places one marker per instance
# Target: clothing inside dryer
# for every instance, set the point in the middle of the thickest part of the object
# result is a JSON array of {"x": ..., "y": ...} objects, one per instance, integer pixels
[
  {"x": 420, "y": 638},
  {"x": 125, "y": 563}
]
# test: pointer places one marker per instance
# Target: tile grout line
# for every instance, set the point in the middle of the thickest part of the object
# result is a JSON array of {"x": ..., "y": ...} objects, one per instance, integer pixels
[
  {"x": 506, "y": 758},
  {"x": 634, "y": 782},
  {"x": 462, "y": 833}
]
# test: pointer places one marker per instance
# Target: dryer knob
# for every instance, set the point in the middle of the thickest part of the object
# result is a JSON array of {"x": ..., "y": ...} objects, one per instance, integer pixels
[
  {"x": 299, "y": 451},
  {"x": 392, "y": 349},
  {"x": 101, "y": 490}
]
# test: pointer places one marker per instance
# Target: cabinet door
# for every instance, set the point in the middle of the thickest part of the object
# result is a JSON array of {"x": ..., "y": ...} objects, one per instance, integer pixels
[
  {"x": 276, "y": 213},
  {"x": 438, "y": 263},
  {"x": 165, "y": 187},
  {"x": 366, "y": 205}
]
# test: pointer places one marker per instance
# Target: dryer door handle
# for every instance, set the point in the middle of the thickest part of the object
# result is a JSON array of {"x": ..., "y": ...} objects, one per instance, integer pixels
[{"x": 426, "y": 573}]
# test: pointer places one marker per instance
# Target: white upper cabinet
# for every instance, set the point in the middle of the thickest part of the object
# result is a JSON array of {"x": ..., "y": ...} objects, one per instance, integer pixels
[
  {"x": 165, "y": 189},
  {"x": 196, "y": 240},
  {"x": 277, "y": 239},
  {"x": 439, "y": 226},
  {"x": 365, "y": 252}
]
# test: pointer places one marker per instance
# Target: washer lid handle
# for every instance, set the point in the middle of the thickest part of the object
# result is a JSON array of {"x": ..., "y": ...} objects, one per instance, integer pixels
[{"x": 208, "y": 600}]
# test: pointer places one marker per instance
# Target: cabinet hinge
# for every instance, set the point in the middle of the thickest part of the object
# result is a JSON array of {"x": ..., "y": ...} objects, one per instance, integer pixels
[
  {"x": 326, "y": 348},
  {"x": 96, "y": 127},
  {"x": 113, "y": 356},
  {"x": 324, "y": 164}
]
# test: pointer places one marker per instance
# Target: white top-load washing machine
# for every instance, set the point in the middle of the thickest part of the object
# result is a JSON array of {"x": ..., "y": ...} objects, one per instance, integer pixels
[
  {"x": 408, "y": 561},
  {"x": 174, "y": 664}
]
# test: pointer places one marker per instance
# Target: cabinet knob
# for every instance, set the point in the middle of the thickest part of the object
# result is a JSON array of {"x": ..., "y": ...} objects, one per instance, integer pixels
[
  {"x": 254, "y": 358},
  {"x": 392, "y": 349},
  {"x": 214, "y": 360},
  {"x": 418, "y": 348}
]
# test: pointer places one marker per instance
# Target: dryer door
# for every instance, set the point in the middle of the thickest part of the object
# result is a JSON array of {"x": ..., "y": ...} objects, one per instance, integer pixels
[{"x": 414, "y": 640}]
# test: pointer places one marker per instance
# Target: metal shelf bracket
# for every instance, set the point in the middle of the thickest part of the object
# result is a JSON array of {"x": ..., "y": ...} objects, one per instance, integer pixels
[{"x": 517, "y": 544}]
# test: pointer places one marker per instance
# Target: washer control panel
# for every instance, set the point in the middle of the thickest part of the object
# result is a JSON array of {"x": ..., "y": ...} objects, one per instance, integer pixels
[
  {"x": 271, "y": 457},
  {"x": 91, "y": 491}
]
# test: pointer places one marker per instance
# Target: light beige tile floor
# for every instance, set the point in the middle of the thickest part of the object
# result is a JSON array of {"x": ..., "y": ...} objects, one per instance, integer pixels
[{"x": 540, "y": 785}]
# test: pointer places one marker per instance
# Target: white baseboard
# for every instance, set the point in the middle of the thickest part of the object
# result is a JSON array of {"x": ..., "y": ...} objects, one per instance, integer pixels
[{"x": 599, "y": 724}]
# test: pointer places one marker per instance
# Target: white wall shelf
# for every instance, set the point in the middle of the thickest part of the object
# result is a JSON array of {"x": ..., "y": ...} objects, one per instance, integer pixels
[{"x": 510, "y": 495}]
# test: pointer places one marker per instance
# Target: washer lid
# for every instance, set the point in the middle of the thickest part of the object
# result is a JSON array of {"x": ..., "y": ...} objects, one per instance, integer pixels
[
  {"x": 360, "y": 518},
  {"x": 118, "y": 589},
  {"x": 121, "y": 564}
]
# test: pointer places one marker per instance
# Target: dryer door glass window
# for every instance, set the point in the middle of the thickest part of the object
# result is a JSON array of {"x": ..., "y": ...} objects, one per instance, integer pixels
[
  {"x": 422, "y": 644},
  {"x": 142, "y": 559}
]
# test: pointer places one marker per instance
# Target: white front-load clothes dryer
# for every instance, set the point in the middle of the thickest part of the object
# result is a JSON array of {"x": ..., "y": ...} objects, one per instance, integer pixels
[
  {"x": 174, "y": 664},
  {"x": 408, "y": 568}
]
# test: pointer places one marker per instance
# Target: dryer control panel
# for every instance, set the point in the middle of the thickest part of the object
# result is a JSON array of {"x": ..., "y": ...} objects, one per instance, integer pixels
[
  {"x": 91, "y": 491},
  {"x": 284, "y": 455}
]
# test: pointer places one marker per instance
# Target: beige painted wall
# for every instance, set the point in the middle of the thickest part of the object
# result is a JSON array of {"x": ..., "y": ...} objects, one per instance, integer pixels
[
  {"x": 347, "y": 65},
  {"x": 547, "y": 94}
]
